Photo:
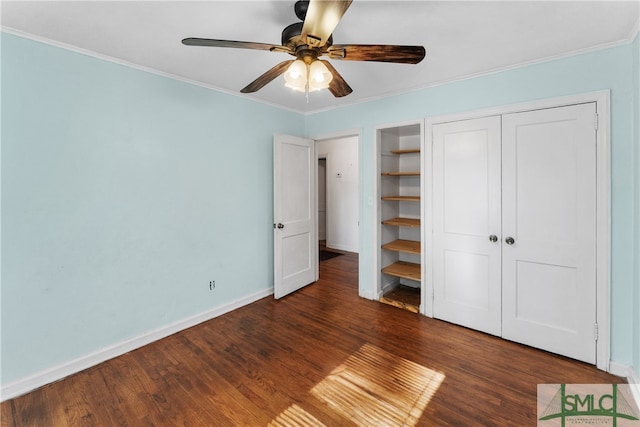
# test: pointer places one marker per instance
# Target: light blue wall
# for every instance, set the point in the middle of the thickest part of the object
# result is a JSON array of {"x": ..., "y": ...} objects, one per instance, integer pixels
[
  {"x": 123, "y": 194},
  {"x": 605, "y": 69},
  {"x": 636, "y": 81}
]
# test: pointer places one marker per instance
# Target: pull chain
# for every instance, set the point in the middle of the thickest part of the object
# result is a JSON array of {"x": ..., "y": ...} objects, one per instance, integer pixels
[{"x": 306, "y": 85}]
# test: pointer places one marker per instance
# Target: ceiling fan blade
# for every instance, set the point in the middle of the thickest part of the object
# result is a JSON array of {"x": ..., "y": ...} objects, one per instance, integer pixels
[
  {"x": 322, "y": 18},
  {"x": 267, "y": 77},
  {"x": 377, "y": 52},
  {"x": 338, "y": 86},
  {"x": 194, "y": 41}
]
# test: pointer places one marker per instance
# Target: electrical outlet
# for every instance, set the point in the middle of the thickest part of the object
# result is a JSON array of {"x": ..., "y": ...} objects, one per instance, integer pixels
[{"x": 212, "y": 285}]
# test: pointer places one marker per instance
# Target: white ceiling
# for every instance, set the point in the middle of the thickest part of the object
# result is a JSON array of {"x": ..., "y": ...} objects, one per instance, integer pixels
[{"x": 462, "y": 39}]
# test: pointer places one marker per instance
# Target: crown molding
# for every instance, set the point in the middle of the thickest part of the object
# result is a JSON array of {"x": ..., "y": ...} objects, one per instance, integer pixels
[
  {"x": 625, "y": 41},
  {"x": 87, "y": 52}
]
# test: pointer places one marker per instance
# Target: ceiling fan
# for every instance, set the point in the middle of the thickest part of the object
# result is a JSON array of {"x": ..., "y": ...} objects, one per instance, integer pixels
[{"x": 308, "y": 41}]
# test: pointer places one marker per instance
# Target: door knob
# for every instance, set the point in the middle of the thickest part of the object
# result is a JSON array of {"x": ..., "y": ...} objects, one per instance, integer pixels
[
  {"x": 280, "y": 225},
  {"x": 509, "y": 240},
  {"x": 493, "y": 238}
]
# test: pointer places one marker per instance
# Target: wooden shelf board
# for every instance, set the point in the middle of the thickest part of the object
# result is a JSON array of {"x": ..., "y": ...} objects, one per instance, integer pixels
[
  {"x": 400, "y": 245},
  {"x": 407, "y": 151},
  {"x": 402, "y": 198},
  {"x": 400, "y": 304},
  {"x": 404, "y": 297},
  {"x": 402, "y": 222},
  {"x": 405, "y": 270},
  {"x": 408, "y": 173}
]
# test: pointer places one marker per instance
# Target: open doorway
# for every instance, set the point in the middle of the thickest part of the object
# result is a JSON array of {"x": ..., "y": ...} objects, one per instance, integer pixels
[
  {"x": 338, "y": 196},
  {"x": 324, "y": 253}
]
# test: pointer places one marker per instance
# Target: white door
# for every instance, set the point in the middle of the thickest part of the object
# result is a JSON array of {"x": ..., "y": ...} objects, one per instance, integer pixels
[
  {"x": 466, "y": 214},
  {"x": 549, "y": 210},
  {"x": 294, "y": 206}
]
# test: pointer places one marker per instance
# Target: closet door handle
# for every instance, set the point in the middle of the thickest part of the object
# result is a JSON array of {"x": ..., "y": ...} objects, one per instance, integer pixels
[
  {"x": 493, "y": 238},
  {"x": 509, "y": 240},
  {"x": 280, "y": 225}
]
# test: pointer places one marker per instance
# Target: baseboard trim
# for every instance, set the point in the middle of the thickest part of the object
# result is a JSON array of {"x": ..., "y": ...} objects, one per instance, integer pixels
[
  {"x": 633, "y": 378},
  {"x": 365, "y": 293},
  {"x": 634, "y": 384},
  {"x": 341, "y": 247},
  {"x": 620, "y": 370},
  {"x": 56, "y": 373}
]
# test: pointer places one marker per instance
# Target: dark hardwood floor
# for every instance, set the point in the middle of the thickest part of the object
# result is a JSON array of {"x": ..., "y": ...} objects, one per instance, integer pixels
[{"x": 321, "y": 356}]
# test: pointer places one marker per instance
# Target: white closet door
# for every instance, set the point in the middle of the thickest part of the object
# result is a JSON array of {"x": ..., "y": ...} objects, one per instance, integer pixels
[
  {"x": 549, "y": 210},
  {"x": 466, "y": 200}
]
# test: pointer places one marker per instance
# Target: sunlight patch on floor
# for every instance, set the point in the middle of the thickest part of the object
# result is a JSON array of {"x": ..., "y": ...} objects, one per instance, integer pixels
[
  {"x": 295, "y": 416},
  {"x": 375, "y": 388}
]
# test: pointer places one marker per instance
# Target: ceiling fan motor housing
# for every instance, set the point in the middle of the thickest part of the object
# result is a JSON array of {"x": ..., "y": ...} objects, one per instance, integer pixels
[
  {"x": 291, "y": 32},
  {"x": 301, "y": 8},
  {"x": 291, "y": 36}
]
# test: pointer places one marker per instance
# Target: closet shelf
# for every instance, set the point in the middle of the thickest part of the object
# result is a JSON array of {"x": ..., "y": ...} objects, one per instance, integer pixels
[
  {"x": 399, "y": 230},
  {"x": 405, "y": 297},
  {"x": 403, "y": 269},
  {"x": 402, "y": 222},
  {"x": 407, "y": 173},
  {"x": 402, "y": 198},
  {"x": 406, "y": 246}
]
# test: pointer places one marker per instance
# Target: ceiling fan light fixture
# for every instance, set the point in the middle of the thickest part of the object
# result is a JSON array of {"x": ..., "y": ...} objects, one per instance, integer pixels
[
  {"x": 307, "y": 78},
  {"x": 296, "y": 76},
  {"x": 319, "y": 76}
]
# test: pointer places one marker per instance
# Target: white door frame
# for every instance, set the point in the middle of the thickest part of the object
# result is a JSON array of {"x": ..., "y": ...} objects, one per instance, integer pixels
[
  {"x": 603, "y": 203},
  {"x": 338, "y": 135}
]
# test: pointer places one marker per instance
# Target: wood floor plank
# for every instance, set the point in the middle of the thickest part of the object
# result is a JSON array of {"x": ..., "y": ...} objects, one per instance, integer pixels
[{"x": 283, "y": 362}]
